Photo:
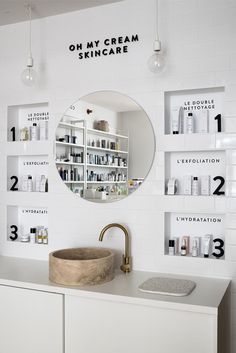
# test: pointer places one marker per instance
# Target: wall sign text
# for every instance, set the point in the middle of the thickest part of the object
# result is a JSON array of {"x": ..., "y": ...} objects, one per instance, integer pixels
[{"x": 105, "y": 47}]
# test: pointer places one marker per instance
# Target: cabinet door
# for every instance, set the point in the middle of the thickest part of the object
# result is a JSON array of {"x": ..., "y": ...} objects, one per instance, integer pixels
[
  {"x": 98, "y": 326},
  {"x": 31, "y": 321}
]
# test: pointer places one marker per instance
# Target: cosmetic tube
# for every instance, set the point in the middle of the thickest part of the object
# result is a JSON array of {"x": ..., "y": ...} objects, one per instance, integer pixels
[
  {"x": 206, "y": 245},
  {"x": 175, "y": 115}
]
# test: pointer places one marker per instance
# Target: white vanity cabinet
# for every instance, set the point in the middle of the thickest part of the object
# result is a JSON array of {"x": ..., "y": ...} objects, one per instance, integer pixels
[
  {"x": 104, "y": 326},
  {"x": 31, "y": 321}
]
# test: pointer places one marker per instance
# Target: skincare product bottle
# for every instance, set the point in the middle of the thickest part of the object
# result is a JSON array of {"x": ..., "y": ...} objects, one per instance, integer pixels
[
  {"x": 188, "y": 185},
  {"x": 43, "y": 130},
  {"x": 205, "y": 185},
  {"x": 172, "y": 186},
  {"x": 25, "y": 238},
  {"x": 183, "y": 251},
  {"x": 45, "y": 236},
  {"x": 186, "y": 238},
  {"x": 24, "y": 183},
  {"x": 33, "y": 235},
  {"x": 29, "y": 183},
  {"x": 195, "y": 186},
  {"x": 171, "y": 247},
  {"x": 34, "y": 132},
  {"x": 206, "y": 245},
  {"x": 176, "y": 120},
  {"x": 24, "y": 134},
  {"x": 203, "y": 121},
  {"x": 189, "y": 123},
  {"x": 195, "y": 248},
  {"x": 37, "y": 183},
  {"x": 176, "y": 240},
  {"x": 43, "y": 183},
  {"x": 39, "y": 235}
]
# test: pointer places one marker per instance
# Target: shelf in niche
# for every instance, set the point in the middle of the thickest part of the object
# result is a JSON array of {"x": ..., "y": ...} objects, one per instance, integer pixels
[
  {"x": 105, "y": 133},
  {"x": 70, "y": 126},
  {"x": 106, "y": 182},
  {"x": 193, "y": 225},
  {"x": 65, "y": 144},
  {"x": 21, "y": 148},
  {"x": 106, "y": 150},
  {"x": 189, "y": 142},
  {"x": 23, "y": 116},
  {"x": 106, "y": 166},
  {"x": 19, "y": 221},
  {"x": 69, "y": 163},
  {"x": 194, "y": 101}
]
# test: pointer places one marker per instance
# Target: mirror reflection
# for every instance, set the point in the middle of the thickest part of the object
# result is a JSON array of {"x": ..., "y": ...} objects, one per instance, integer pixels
[{"x": 105, "y": 146}]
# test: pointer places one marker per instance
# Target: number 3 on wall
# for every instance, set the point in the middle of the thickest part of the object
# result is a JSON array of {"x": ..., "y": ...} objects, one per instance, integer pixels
[
  {"x": 14, "y": 230},
  {"x": 220, "y": 248},
  {"x": 218, "y": 190}
]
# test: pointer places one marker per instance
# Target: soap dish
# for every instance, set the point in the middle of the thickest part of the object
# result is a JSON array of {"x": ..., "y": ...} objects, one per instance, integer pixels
[{"x": 168, "y": 286}]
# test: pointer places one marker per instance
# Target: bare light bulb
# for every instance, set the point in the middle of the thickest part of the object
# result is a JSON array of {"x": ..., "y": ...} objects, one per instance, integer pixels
[
  {"x": 29, "y": 76},
  {"x": 156, "y": 62}
]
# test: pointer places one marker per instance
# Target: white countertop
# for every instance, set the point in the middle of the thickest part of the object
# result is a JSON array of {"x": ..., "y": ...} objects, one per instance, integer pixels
[{"x": 33, "y": 274}]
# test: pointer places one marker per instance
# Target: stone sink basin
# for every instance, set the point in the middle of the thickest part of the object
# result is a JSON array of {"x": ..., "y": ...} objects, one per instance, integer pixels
[{"x": 81, "y": 266}]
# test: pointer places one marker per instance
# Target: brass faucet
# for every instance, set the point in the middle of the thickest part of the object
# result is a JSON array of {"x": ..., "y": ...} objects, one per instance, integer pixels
[{"x": 126, "y": 259}]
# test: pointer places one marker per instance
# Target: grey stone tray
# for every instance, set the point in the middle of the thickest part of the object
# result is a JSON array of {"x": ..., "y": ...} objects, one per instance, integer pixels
[{"x": 168, "y": 286}]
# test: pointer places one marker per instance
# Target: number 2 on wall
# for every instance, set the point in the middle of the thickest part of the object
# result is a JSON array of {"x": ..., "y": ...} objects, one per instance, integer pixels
[
  {"x": 14, "y": 230},
  {"x": 220, "y": 186},
  {"x": 13, "y": 187}
]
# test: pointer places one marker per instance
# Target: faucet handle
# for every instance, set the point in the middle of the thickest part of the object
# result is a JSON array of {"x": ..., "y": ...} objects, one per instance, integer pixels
[{"x": 126, "y": 264}]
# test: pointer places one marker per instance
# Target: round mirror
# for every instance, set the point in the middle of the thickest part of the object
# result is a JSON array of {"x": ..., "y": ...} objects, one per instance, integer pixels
[{"x": 105, "y": 146}]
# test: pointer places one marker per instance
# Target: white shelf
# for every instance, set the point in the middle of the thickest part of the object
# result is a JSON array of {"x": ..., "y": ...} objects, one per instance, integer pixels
[
  {"x": 69, "y": 144},
  {"x": 70, "y": 126},
  {"x": 30, "y": 148},
  {"x": 73, "y": 182},
  {"x": 104, "y": 133},
  {"x": 106, "y": 182},
  {"x": 105, "y": 166},
  {"x": 106, "y": 149},
  {"x": 69, "y": 163}
]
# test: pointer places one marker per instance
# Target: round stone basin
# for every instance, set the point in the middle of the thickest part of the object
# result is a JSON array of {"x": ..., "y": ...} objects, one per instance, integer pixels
[{"x": 81, "y": 266}]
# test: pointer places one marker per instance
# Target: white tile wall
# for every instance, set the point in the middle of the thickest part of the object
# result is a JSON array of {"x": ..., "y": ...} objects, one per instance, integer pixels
[{"x": 199, "y": 38}]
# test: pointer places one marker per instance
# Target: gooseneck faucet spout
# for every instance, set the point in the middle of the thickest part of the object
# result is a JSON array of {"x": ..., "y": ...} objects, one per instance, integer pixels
[{"x": 126, "y": 259}]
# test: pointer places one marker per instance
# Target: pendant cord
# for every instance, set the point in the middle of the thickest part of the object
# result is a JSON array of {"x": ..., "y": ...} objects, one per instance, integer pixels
[
  {"x": 30, "y": 31},
  {"x": 157, "y": 13}
]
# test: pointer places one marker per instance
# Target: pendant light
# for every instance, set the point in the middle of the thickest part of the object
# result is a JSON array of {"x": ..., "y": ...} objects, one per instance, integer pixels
[
  {"x": 156, "y": 62},
  {"x": 29, "y": 76}
]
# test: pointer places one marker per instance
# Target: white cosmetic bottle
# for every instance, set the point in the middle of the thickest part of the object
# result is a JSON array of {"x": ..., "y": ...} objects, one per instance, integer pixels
[
  {"x": 190, "y": 123},
  {"x": 195, "y": 187},
  {"x": 29, "y": 183},
  {"x": 34, "y": 132}
]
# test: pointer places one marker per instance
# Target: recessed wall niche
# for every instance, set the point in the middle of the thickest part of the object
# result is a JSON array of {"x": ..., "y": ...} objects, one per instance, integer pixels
[
  {"x": 27, "y": 173},
  {"x": 27, "y": 225},
  {"x": 209, "y": 167},
  {"x": 194, "y": 227},
  {"x": 28, "y": 122},
  {"x": 205, "y": 104},
  {"x": 102, "y": 152}
]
